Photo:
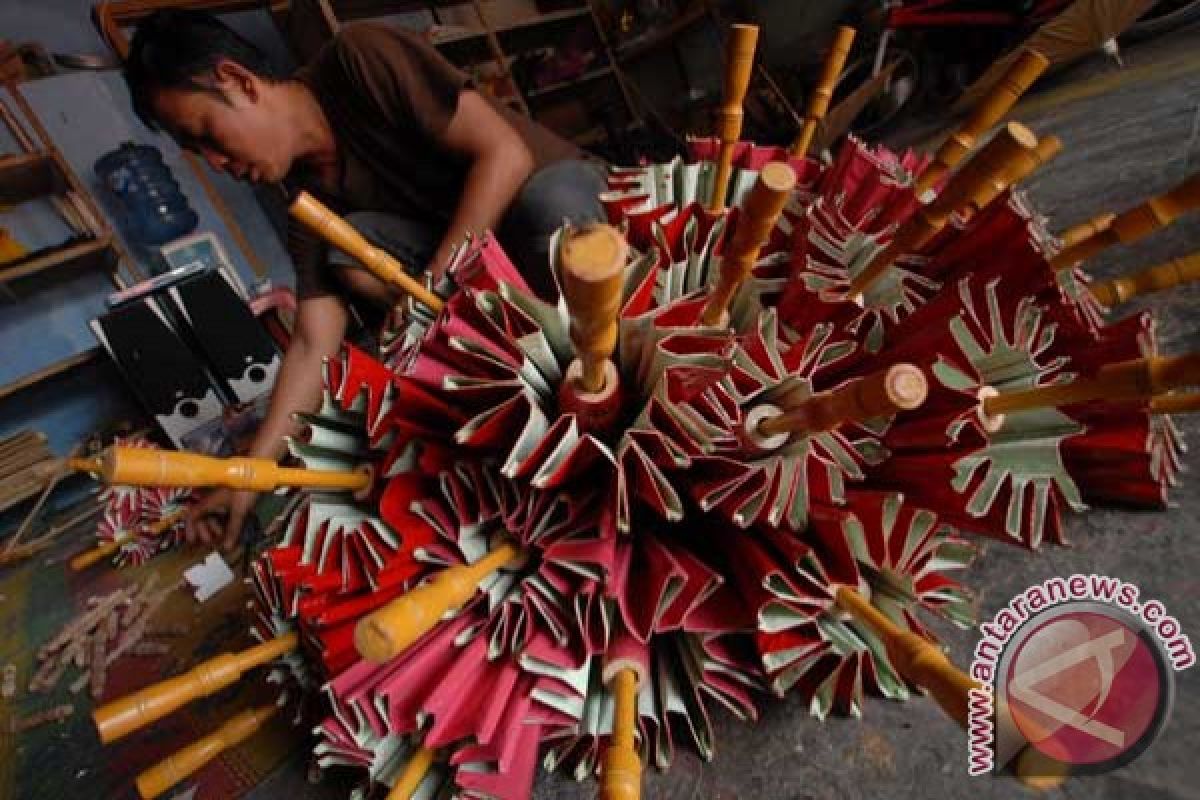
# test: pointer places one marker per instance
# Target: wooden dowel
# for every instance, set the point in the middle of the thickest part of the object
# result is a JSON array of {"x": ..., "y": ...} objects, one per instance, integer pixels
[
  {"x": 1152, "y": 279},
  {"x": 917, "y": 659},
  {"x": 122, "y": 717},
  {"x": 975, "y": 180},
  {"x": 385, "y": 633},
  {"x": 1024, "y": 164},
  {"x": 1020, "y": 76},
  {"x": 901, "y": 387},
  {"x": 177, "y": 766},
  {"x": 341, "y": 234},
  {"x": 1134, "y": 224},
  {"x": 140, "y": 466},
  {"x": 593, "y": 262},
  {"x": 1126, "y": 380},
  {"x": 822, "y": 93},
  {"x": 1086, "y": 230},
  {"x": 415, "y": 770},
  {"x": 739, "y": 64},
  {"x": 621, "y": 774},
  {"x": 105, "y": 549},
  {"x": 754, "y": 224},
  {"x": 1175, "y": 403}
]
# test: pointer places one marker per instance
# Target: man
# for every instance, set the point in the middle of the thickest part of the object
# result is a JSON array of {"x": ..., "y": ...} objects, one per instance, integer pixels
[{"x": 386, "y": 131}]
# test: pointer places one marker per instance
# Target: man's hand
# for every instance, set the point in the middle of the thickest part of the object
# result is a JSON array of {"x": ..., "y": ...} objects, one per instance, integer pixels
[{"x": 218, "y": 518}]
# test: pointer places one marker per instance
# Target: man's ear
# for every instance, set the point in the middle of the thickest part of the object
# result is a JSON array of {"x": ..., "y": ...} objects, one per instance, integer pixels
[{"x": 234, "y": 79}]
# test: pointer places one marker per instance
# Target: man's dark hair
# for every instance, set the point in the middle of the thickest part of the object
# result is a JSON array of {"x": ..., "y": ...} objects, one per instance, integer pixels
[{"x": 179, "y": 49}]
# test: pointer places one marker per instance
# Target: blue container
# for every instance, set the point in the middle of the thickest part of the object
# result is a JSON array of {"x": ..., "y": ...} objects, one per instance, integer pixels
[{"x": 152, "y": 209}]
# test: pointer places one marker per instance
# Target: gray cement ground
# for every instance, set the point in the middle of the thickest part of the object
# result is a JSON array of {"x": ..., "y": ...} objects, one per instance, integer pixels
[{"x": 1127, "y": 135}]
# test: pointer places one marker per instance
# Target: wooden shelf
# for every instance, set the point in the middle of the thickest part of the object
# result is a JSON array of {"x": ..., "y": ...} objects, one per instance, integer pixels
[
  {"x": 591, "y": 75},
  {"x": 88, "y": 254},
  {"x": 532, "y": 22},
  {"x": 57, "y": 368},
  {"x": 660, "y": 37},
  {"x": 27, "y": 177}
]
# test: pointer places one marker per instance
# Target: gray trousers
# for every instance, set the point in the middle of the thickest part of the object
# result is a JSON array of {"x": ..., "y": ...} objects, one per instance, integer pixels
[{"x": 565, "y": 191}]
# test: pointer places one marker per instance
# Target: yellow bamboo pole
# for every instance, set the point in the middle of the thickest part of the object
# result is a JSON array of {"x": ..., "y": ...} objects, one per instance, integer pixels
[
  {"x": 621, "y": 774},
  {"x": 389, "y": 631},
  {"x": 1175, "y": 403},
  {"x": 177, "y": 766},
  {"x": 341, "y": 234},
  {"x": 1086, "y": 230},
  {"x": 101, "y": 551},
  {"x": 132, "y": 712},
  {"x": 593, "y": 264},
  {"x": 1025, "y": 163},
  {"x": 901, "y": 387},
  {"x": 822, "y": 93},
  {"x": 1020, "y": 76},
  {"x": 1152, "y": 279},
  {"x": 415, "y": 770},
  {"x": 739, "y": 64}
]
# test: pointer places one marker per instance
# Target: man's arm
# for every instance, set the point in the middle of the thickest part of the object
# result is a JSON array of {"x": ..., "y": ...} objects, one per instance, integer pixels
[
  {"x": 320, "y": 327},
  {"x": 500, "y": 164}
]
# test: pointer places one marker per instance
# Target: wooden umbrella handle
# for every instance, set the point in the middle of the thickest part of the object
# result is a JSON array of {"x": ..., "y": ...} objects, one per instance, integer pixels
[
  {"x": 822, "y": 93},
  {"x": 917, "y": 659},
  {"x": 739, "y": 65},
  {"x": 105, "y": 549},
  {"x": 1026, "y": 69},
  {"x": 415, "y": 770},
  {"x": 626, "y": 668},
  {"x": 593, "y": 261},
  {"x": 140, "y": 466},
  {"x": 901, "y": 387},
  {"x": 132, "y": 712},
  {"x": 177, "y": 766},
  {"x": 970, "y": 186},
  {"x": 758, "y": 217},
  {"x": 1152, "y": 279},
  {"x": 341, "y": 234},
  {"x": 1175, "y": 403},
  {"x": 1134, "y": 224},
  {"x": 1025, "y": 162},
  {"x": 1086, "y": 230},
  {"x": 1126, "y": 380},
  {"x": 389, "y": 631}
]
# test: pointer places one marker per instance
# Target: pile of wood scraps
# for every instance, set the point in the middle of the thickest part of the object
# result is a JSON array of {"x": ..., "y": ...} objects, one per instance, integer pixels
[
  {"x": 26, "y": 464},
  {"x": 114, "y": 625}
]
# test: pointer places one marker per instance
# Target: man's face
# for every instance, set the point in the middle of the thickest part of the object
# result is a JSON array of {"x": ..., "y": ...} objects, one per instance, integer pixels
[{"x": 234, "y": 126}]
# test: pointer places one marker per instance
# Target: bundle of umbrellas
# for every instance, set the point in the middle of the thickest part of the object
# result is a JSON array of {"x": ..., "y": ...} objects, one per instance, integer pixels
[{"x": 744, "y": 454}]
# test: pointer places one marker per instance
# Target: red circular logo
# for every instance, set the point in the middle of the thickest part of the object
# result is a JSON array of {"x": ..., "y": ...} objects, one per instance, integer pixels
[{"x": 1087, "y": 686}]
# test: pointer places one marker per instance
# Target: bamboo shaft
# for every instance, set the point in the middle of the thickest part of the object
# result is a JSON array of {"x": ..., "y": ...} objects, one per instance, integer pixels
[
  {"x": 901, "y": 387},
  {"x": 1024, "y": 164},
  {"x": 105, "y": 549},
  {"x": 1152, "y": 279},
  {"x": 979, "y": 177},
  {"x": 621, "y": 775},
  {"x": 739, "y": 64},
  {"x": 177, "y": 766},
  {"x": 121, "y": 717},
  {"x": 1126, "y": 380},
  {"x": 139, "y": 466},
  {"x": 341, "y": 234},
  {"x": 1175, "y": 403},
  {"x": 385, "y": 633},
  {"x": 1086, "y": 230},
  {"x": 757, "y": 219},
  {"x": 916, "y": 658},
  {"x": 1134, "y": 224},
  {"x": 415, "y": 770},
  {"x": 593, "y": 261},
  {"x": 822, "y": 94},
  {"x": 1019, "y": 77}
]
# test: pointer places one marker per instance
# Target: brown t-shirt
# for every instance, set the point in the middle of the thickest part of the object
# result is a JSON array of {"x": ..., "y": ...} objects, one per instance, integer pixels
[{"x": 389, "y": 97}]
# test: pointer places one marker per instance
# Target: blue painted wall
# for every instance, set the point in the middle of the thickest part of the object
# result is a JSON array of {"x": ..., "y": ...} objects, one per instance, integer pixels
[{"x": 44, "y": 319}]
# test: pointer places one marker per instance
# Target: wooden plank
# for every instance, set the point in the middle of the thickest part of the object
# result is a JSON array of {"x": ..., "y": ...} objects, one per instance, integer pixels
[
  {"x": 87, "y": 254},
  {"x": 57, "y": 368},
  {"x": 28, "y": 176}
]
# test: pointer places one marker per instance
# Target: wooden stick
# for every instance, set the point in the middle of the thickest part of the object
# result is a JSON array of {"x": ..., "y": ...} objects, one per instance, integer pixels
[
  {"x": 626, "y": 668},
  {"x": 901, "y": 387},
  {"x": 1020, "y": 76},
  {"x": 341, "y": 234},
  {"x": 1086, "y": 230},
  {"x": 593, "y": 262},
  {"x": 739, "y": 64},
  {"x": 1134, "y": 224},
  {"x": 754, "y": 224},
  {"x": 177, "y": 766},
  {"x": 1126, "y": 380},
  {"x": 122, "y": 717},
  {"x": 917, "y": 659},
  {"x": 974, "y": 181},
  {"x": 415, "y": 770},
  {"x": 51, "y": 485},
  {"x": 1024, "y": 164},
  {"x": 384, "y": 634},
  {"x": 105, "y": 549},
  {"x": 139, "y": 466},
  {"x": 822, "y": 93},
  {"x": 1152, "y": 279},
  {"x": 1175, "y": 403}
]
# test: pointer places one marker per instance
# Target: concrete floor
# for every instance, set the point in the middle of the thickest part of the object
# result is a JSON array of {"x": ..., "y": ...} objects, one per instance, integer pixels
[{"x": 1128, "y": 134}]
